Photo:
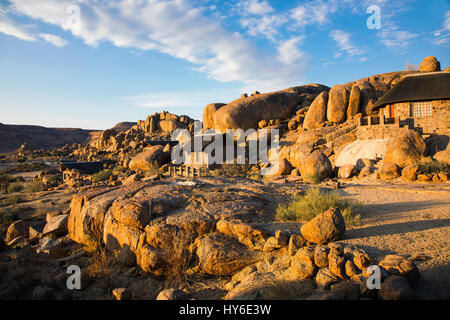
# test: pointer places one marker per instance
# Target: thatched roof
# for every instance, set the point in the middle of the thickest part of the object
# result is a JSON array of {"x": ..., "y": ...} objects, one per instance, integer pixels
[
  {"x": 418, "y": 87},
  {"x": 91, "y": 167}
]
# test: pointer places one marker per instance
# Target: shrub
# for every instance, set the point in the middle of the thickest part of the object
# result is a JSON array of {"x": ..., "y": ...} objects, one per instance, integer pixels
[
  {"x": 119, "y": 169},
  {"x": 315, "y": 202},
  {"x": 101, "y": 176},
  {"x": 34, "y": 186},
  {"x": 13, "y": 199},
  {"x": 153, "y": 169},
  {"x": 7, "y": 217},
  {"x": 15, "y": 187},
  {"x": 432, "y": 167}
]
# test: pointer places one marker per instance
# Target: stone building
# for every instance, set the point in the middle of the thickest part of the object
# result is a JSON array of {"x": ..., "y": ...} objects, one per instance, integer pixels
[{"x": 421, "y": 101}]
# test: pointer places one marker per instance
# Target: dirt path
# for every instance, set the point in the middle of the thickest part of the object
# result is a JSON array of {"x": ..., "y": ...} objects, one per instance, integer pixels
[{"x": 407, "y": 221}]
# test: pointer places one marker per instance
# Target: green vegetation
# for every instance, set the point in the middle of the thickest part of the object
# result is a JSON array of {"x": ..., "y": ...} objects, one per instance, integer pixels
[
  {"x": 313, "y": 178},
  {"x": 14, "y": 199},
  {"x": 153, "y": 169},
  {"x": 119, "y": 169},
  {"x": 102, "y": 176},
  {"x": 315, "y": 202},
  {"x": 433, "y": 167},
  {"x": 34, "y": 186},
  {"x": 15, "y": 187},
  {"x": 6, "y": 218}
]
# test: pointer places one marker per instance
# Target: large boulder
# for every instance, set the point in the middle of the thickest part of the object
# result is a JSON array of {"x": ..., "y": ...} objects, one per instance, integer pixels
[
  {"x": 406, "y": 148},
  {"x": 146, "y": 159},
  {"x": 315, "y": 167},
  {"x": 253, "y": 237},
  {"x": 317, "y": 112},
  {"x": 430, "y": 64},
  {"x": 398, "y": 265},
  {"x": 57, "y": 225},
  {"x": 303, "y": 262},
  {"x": 395, "y": 288},
  {"x": 389, "y": 171},
  {"x": 208, "y": 113},
  {"x": 19, "y": 228},
  {"x": 409, "y": 173},
  {"x": 337, "y": 104},
  {"x": 222, "y": 256},
  {"x": 354, "y": 103},
  {"x": 326, "y": 227},
  {"x": 248, "y": 112},
  {"x": 347, "y": 171}
]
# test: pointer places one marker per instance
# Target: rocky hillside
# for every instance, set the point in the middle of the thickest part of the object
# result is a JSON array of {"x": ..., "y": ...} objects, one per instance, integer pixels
[{"x": 13, "y": 136}]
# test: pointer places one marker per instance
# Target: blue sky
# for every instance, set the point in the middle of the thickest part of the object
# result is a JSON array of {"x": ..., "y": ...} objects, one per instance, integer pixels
[{"x": 93, "y": 63}]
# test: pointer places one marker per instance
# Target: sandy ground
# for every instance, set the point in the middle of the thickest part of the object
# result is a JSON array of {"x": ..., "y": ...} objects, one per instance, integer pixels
[{"x": 408, "y": 220}]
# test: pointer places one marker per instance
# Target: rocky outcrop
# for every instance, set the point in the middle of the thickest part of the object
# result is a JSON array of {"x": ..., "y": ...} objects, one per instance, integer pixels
[{"x": 247, "y": 112}]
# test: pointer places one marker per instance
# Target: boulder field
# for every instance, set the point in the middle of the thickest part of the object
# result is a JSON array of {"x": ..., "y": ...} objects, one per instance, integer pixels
[{"x": 169, "y": 227}]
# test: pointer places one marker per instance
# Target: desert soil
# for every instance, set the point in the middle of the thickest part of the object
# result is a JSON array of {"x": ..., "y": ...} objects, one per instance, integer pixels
[{"x": 410, "y": 220}]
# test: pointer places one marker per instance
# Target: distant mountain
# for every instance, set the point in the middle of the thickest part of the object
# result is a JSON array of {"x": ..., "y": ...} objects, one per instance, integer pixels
[{"x": 13, "y": 136}]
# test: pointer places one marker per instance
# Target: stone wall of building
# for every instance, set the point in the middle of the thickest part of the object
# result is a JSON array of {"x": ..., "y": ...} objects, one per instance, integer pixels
[
  {"x": 379, "y": 132},
  {"x": 438, "y": 122}
]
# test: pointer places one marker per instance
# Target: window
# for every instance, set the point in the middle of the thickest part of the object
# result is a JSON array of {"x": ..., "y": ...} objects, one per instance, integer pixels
[{"x": 421, "y": 109}]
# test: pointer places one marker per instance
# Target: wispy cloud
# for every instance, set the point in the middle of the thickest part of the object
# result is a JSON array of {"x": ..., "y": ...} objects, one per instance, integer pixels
[
  {"x": 193, "y": 101},
  {"x": 391, "y": 36},
  {"x": 345, "y": 44},
  {"x": 11, "y": 28},
  {"x": 266, "y": 26},
  {"x": 442, "y": 36},
  {"x": 55, "y": 40},
  {"x": 192, "y": 36},
  {"x": 289, "y": 51},
  {"x": 255, "y": 7}
]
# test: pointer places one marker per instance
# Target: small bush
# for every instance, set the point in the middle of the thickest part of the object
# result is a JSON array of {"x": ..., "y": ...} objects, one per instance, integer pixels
[
  {"x": 99, "y": 268},
  {"x": 433, "y": 167},
  {"x": 7, "y": 217},
  {"x": 315, "y": 202},
  {"x": 119, "y": 169},
  {"x": 14, "y": 199},
  {"x": 34, "y": 186},
  {"x": 153, "y": 169},
  {"x": 101, "y": 176},
  {"x": 15, "y": 187}
]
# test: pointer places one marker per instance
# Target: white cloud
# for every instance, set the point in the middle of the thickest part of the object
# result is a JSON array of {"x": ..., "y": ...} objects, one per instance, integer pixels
[
  {"x": 255, "y": 7},
  {"x": 9, "y": 27},
  {"x": 55, "y": 40},
  {"x": 182, "y": 99},
  {"x": 174, "y": 28},
  {"x": 391, "y": 36},
  {"x": 289, "y": 52},
  {"x": 266, "y": 26},
  {"x": 442, "y": 36},
  {"x": 316, "y": 12},
  {"x": 345, "y": 44}
]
